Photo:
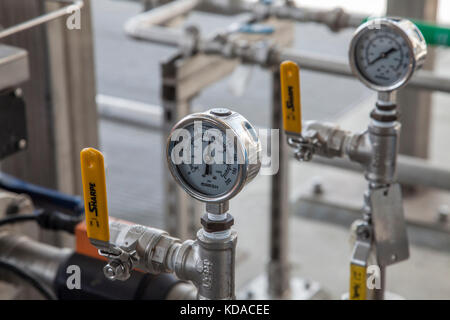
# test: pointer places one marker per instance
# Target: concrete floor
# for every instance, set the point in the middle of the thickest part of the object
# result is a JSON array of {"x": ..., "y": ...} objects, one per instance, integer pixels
[{"x": 318, "y": 251}]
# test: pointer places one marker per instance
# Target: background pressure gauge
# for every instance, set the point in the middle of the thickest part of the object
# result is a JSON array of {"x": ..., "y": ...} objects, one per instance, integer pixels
[
  {"x": 216, "y": 154},
  {"x": 385, "y": 52}
]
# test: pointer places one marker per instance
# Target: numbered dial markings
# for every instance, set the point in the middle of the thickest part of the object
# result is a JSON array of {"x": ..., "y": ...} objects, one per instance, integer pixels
[
  {"x": 382, "y": 56},
  {"x": 203, "y": 174}
]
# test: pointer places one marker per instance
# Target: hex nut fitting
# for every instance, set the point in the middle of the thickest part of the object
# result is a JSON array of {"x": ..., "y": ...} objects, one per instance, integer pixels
[
  {"x": 384, "y": 118},
  {"x": 216, "y": 226}
]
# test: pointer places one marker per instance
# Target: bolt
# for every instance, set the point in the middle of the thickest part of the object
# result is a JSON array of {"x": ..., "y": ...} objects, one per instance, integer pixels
[
  {"x": 109, "y": 272},
  {"x": 443, "y": 213},
  {"x": 317, "y": 187},
  {"x": 18, "y": 92},
  {"x": 113, "y": 270},
  {"x": 221, "y": 112},
  {"x": 22, "y": 144},
  {"x": 363, "y": 232}
]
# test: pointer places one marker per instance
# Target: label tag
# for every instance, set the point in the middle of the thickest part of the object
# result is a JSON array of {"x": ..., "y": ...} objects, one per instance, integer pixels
[
  {"x": 290, "y": 97},
  {"x": 358, "y": 278},
  {"x": 94, "y": 190},
  {"x": 391, "y": 239},
  {"x": 358, "y": 270}
]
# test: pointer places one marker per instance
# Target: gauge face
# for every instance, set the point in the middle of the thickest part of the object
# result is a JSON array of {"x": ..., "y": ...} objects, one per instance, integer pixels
[
  {"x": 382, "y": 56},
  {"x": 215, "y": 172}
]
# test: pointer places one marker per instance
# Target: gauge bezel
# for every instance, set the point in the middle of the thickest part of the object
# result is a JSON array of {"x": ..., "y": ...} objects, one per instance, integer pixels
[
  {"x": 399, "y": 26},
  {"x": 222, "y": 123}
]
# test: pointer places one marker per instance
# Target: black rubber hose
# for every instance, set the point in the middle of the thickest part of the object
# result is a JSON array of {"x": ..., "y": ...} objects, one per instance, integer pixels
[
  {"x": 54, "y": 220},
  {"x": 19, "y": 218},
  {"x": 28, "y": 278},
  {"x": 51, "y": 220}
]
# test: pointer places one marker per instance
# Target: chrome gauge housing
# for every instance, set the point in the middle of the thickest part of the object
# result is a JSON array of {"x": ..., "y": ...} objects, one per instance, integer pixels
[
  {"x": 385, "y": 52},
  {"x": 200, "y": 172}
]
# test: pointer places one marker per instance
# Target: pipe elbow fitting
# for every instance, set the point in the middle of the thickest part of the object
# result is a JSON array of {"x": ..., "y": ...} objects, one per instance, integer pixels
[
  {"x": 359, "y": 148},
  {"x": 328, "y": 138}
]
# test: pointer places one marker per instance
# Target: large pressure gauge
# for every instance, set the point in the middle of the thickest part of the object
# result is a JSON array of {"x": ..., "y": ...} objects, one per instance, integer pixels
[
  {"x": 385, "y": 52},
  {"x": 212, "y": 155}
]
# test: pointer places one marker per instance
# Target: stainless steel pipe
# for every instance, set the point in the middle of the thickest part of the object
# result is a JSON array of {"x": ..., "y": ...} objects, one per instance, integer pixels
[
  {"x": 138, "y": 28},
  {"x": 149, "y": 25},
  {"x": 410, "y": 171},
  {"x": 40, "y": 259},
  {"x": 423, "y": 79},
  {"x": 335, "y": 18}
]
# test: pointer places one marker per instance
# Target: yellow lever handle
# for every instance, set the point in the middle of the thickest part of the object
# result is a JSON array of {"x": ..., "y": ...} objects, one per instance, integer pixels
[
  {"x": 358, "y": 278},
  {"x": 290, "y": 97},
  {"x": 94, "y": 190}
]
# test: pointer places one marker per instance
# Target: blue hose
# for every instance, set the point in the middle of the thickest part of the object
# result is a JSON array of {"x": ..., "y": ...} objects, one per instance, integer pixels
[{"x": 72, "y": 203}]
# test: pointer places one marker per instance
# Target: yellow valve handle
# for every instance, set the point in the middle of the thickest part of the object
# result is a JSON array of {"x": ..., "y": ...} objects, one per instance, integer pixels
[
  {"x": 290, "y": 97},
  {"x": 94, "y": 190},
  {"x": 358, "y": 279}
]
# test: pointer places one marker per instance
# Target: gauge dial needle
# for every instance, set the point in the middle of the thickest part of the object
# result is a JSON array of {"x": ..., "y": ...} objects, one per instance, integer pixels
[
  {"x": 207, "y": 170},
  {"x": 383, "y": 55}
]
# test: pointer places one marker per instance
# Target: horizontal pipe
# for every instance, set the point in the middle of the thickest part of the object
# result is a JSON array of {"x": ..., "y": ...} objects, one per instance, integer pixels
[
  {"x": 129, "y": 112},
  {"x": 161, "y": 35},
  {"x": 410, "y": 171},
  {"x": 39, "y": 259},
  {"x": 148, "y": 25},
  {"x": 336, "y": 19},
  {"x": 422, "y": 79},
  {"x": 44, "y": 262},
  {"x": 67, "y": 10}
]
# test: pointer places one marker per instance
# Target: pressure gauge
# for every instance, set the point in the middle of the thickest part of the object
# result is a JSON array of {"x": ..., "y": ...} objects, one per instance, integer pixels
[
  {"x": 385, "y": 52},
  {"x": 212, "y": 155}
]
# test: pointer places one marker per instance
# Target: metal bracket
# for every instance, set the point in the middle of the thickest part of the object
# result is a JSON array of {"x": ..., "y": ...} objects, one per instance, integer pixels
[{"x": 388, "y": 220}]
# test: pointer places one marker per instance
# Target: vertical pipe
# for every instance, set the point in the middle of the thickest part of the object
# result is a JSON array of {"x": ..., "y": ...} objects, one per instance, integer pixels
[
  {"x": 278, "y": 273},
  {"x": 415, "y": 105}
]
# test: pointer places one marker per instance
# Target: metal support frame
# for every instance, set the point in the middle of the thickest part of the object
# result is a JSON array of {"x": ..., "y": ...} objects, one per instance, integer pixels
[
  {"x": 73, "y": 93},
  {"x": 14, "y": 63},
  {"x": 416, "y": 106},
  {"x": 39, "y": 151},
  {"x": 279, "y": 266}
]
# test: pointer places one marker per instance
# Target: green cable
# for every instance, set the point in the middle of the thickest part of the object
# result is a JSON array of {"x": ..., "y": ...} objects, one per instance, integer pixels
[{"x": 434, "y": 35}]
